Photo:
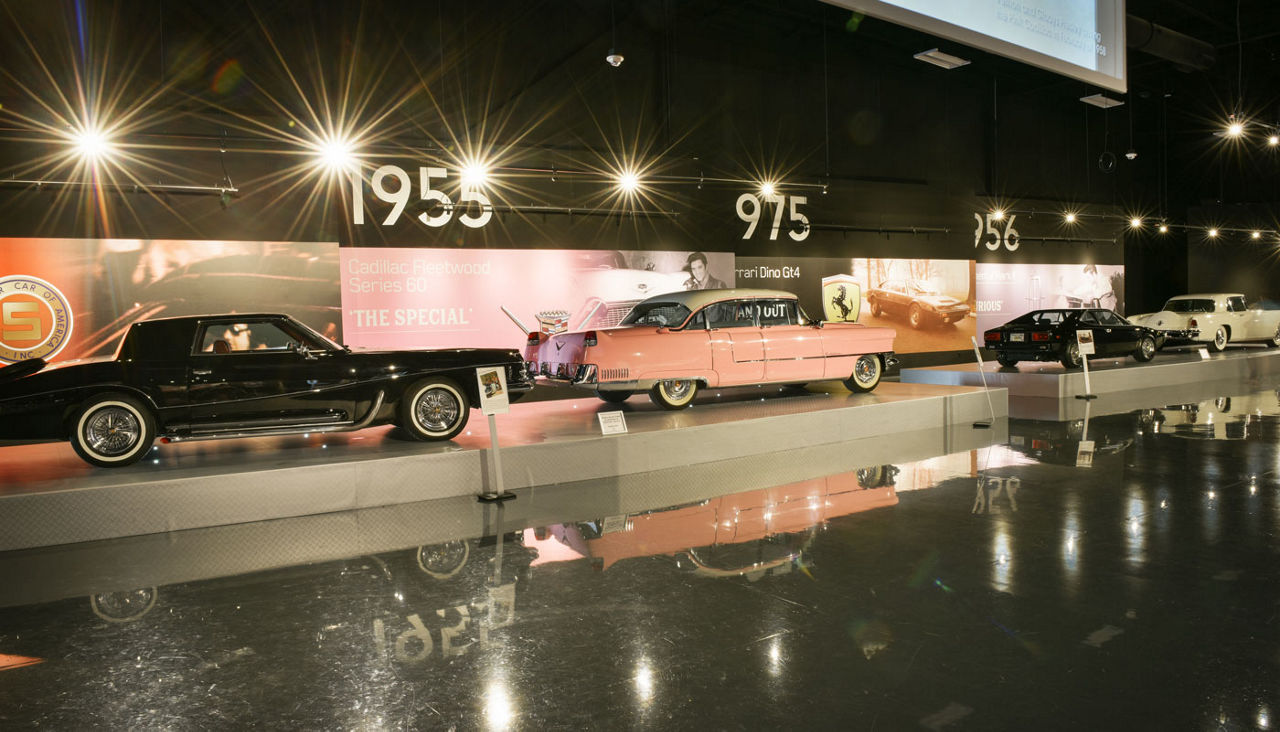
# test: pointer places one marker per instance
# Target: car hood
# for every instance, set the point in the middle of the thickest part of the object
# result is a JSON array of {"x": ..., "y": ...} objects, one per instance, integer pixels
[{"x": 938, "y": 300}]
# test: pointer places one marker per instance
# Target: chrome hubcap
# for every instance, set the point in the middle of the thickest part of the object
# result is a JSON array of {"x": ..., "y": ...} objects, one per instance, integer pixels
[
  {"x": 1073, "y": 353},
  {"x": 437, "y": 409},
  {"x": 677, "y": 390},
  {"x": 1148, "y": 347},
  {"x": 865, "y": 369},
  {"x": 112, "y": 431},
  {"x": 1220, "y": 338}
]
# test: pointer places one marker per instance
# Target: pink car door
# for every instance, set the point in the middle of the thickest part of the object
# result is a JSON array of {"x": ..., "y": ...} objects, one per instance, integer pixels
[
  {"x": 792, "y": 352},
  {"x": 737, "y": 349}
]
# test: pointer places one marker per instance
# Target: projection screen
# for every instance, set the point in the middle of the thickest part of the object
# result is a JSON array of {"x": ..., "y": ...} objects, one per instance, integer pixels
[{"x": 1082, "y": 39}]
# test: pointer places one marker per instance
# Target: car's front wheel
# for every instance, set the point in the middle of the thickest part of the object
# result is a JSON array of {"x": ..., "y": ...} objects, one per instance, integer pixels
[
  {"x": 1146, "y": 349},
  {"x": 614, "y": 397},
  {"x": 435, "y": 408},
  {"x": 1275, "y": 339},
  {"x": 867, "y": 371},
  {"x": 874, "y": 304},
  {"x": 112, "y": 430},
  {"x": 674, "y": 393},
  {"x": 916, "y": 316},
  {"x": 1219, "y": 341}
]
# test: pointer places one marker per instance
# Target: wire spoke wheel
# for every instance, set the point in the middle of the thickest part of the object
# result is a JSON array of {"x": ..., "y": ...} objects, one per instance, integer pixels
[
  {"x": 438, "y": 409},
  {"x": 112, "y": 431}
]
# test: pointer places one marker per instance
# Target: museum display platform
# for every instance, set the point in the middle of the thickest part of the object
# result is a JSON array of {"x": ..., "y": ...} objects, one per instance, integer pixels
[
  {"x": 48, "y": 496},
  {"x": 156, "y": 560},
  {"x": 1172, "y": 367}
]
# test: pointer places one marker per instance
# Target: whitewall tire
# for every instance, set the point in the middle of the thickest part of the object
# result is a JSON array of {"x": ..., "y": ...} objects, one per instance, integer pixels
[
  {"x": 112, "y": 430},
  {"x": 674, "y": 393},
  {"x": 434, "y": 408},
  {"x": 867, "y": 371}
]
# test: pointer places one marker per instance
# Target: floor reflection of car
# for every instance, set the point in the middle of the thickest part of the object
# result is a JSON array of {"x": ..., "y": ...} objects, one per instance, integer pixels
[
  {"x": 1059, "y": 442},
  {"x": 1222, "y": 418},
  {"x": 919, "y": 303},
  {"x": 745, "y": 534}
]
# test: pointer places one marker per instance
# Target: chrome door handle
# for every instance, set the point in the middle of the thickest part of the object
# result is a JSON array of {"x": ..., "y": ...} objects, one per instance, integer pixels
[{"x": 202, "y": 372}]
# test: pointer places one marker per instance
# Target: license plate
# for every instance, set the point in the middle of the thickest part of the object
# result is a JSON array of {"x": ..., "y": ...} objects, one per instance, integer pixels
[{"x": 1017, "y": 337}]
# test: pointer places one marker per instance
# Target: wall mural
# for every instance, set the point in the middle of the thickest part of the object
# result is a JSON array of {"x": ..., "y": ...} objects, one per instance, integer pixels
[{"x": 73, "y": 298}]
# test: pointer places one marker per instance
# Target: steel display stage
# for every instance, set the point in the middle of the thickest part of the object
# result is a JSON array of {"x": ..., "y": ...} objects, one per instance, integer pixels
[
  {"x": 1107, "y": 375},
  {"x": 48, "y": 496}
]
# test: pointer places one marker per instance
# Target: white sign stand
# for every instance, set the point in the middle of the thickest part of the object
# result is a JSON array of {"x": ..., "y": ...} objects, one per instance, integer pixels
[
  {"x": 1084, "y": 340},
  {"x": 986, "y": 423},
  {"x": 492, "y": 382}
]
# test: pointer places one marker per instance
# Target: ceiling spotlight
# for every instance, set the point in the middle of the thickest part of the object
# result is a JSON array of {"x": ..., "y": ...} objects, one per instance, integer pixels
[
  {"x": 1070, "y": 217},
  {"x": 91, "y": 143},
  {"x": 1273, "y": 140},
  {"x": 614, "y": 58},
  {"x": 1135, "y": 222},
  {"x": 1256, "y": 235},
  {"x": 767, "y": 188},
  {"x": 1132, "y": 154},
  {"x": 1164, "y": 228},
  {"x": 1235, "y": 128},
  {"x": 1213, "y": 233},
  {"x": 334, "y": 154},
  {"x": 998, "y": 214},
  {"x": 628, "y": 181},
  {"x": 475, "y": 174}
]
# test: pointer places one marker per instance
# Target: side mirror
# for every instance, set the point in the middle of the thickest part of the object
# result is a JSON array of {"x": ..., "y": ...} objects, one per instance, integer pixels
[{"x": 819, "y": 323}]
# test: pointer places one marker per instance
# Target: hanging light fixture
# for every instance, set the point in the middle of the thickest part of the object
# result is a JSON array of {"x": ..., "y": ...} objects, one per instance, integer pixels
[{"x": 614, "y": 58}]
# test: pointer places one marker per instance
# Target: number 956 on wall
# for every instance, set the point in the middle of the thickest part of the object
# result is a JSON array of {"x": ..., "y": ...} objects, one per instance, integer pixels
[{"x": 436, "y": 208}]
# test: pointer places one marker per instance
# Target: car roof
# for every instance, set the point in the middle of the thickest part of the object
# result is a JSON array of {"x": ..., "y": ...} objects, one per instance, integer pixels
[
  {"x": 694, "y": 299},
  {"x": 1206, "y": 295},
  {"x": 216, "y": 316}
]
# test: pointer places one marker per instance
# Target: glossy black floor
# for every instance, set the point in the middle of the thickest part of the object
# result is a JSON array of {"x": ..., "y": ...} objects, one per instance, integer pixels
[{"x": 1003, "y": 588}]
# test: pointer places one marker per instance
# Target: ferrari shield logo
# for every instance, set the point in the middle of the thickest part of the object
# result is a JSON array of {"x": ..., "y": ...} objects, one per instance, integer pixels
[{"x": 841, "y": 298}]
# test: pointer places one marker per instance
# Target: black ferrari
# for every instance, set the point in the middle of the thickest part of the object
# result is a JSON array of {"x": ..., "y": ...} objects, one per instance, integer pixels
[
  {"x": 1050, "y": 335},
  {"x": 218, "y": 376}
]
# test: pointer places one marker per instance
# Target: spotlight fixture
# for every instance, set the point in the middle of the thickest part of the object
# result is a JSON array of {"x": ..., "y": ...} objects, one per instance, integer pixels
[
  {"x": 334, "y": 154},
  {"x": 1164, "y": 229},
  {"x": 1069, "y": 217},
  {"x": 1235, "y": 127},
  {"x": 767, "y": 188},
  {"x": 90, "y": 143},
  {"x": 628, "y": 181},
  {"x": 614, "y": 58},
  {"x": 1213, "y": 233},
  {"x": 1273, "y": 140},
  {"x": 1135, "y": 222},
  {"x": 998, "y": 214},
  {"x": 940, "y": 59},
  {"x": 1132, "y": 154},
  {"x": 1256, "y": 235},
  {"x": 475, "y": 174}
]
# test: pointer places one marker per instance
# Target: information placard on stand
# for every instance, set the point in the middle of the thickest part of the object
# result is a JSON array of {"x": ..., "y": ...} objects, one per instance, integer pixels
[
  {"x": 492, "y": 383},
  {"x": 1084, "y": 341}
]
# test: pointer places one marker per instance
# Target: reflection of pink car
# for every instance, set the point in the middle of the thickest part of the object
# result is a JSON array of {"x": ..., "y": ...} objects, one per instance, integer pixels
[{"x": 673, "y": 344}]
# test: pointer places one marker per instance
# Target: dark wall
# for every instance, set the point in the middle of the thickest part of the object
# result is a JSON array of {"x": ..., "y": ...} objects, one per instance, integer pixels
[{"x": 795, "y": 91}]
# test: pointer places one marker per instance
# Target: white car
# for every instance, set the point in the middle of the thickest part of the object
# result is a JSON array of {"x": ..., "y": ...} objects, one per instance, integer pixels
[{"x": 1214, "y": 319}]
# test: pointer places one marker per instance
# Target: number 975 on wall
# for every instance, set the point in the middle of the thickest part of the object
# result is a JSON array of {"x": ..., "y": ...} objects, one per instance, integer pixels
[{"x": 473, "y": 207}]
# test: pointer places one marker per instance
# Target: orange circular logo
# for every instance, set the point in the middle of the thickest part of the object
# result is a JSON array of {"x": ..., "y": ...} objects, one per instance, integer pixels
[{"x": 35, "y": 319}]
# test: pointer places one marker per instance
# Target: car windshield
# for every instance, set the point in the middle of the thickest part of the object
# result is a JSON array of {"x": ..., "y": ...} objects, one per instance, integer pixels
[
  {"x": 657, "y": 313},
  {"x": 921, "y": 289},
  {"x": 1193, "y": 305}
]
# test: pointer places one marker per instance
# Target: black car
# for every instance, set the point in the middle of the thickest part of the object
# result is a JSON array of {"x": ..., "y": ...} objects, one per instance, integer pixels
[
  {"x": 239, "y": 375},
  {"x": 1050, "y": 335}
]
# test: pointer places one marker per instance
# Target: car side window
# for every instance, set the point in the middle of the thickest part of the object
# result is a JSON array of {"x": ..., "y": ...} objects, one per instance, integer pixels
[
  {"x": 778, "y": 312},
  {"x": 1088, "y": 318},
  {"x": 1107, "y": 317},
  {"x": 219, "y": 338},
  {"x": 698, "y": 321},
  {"x": 1236, "y": 304},
  {"x": 732, "y": 314}
]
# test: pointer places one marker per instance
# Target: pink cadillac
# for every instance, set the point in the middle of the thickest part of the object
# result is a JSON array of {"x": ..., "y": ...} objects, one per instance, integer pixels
[{"x": 671, "y": 345}]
